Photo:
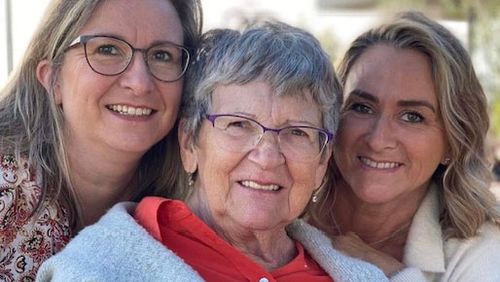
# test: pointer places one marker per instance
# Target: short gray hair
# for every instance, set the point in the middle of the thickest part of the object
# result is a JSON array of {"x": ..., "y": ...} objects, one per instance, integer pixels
[{"x": 291, "y": 60}]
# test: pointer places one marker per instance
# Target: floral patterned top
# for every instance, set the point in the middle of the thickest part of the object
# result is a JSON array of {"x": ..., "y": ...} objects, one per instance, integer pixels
[{"x": 26, "y": 239}]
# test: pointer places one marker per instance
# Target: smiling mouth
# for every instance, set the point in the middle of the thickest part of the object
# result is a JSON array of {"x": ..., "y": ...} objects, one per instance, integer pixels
[
  {"x": 379, "y": 165},
  {"x": 129, "y": 110},
  {"x": 254, "y": 185}
]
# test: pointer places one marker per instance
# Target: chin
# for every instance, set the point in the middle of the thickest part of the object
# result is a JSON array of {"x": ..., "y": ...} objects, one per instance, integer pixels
[
  {"x": 132, "y": 147},
  {"x": 373, "y": 195},
  {"x": 256, "y": 224},
  {"x": 134, "y": 144}
]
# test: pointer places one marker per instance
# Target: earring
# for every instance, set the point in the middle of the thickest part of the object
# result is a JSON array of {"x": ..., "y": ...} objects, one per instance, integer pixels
[
  {"x": 315, "y": 197},
  {"x": 446, "y": 161},
  {"x": 317, "y": 192},
  {"x": 190, "y": 180}
]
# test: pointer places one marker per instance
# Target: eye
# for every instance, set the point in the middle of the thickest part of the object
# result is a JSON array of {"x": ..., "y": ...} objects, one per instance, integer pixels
[
  {"x": 162, "y": 56},
  {"x": 107, "y": 50},
  {"x": 297, "y": 131},
  {"x": 413, "y": 117},
  {"x": 236, "y": 126},
  {"x": 239, "y": 124},
  {"x": 360, "y": 108}
]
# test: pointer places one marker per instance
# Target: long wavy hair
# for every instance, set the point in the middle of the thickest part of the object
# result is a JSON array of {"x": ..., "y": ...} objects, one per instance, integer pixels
[
  {"x": 464, "y": 184},
  {"x": 32, "y": 125}
]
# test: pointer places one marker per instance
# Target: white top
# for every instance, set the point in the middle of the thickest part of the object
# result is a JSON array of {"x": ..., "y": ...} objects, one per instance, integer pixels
[{"x": 453, "y": 260}]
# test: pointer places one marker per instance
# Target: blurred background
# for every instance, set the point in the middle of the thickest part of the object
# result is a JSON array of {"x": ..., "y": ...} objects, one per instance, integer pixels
[{"x": 335, "y": 22}]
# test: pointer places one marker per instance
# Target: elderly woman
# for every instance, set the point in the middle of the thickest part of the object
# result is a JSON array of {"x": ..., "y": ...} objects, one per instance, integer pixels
[
  {"x": 85, "y": 120},
  {"x": 255, "y": 140},
  {"x": 410, "y": 181}
]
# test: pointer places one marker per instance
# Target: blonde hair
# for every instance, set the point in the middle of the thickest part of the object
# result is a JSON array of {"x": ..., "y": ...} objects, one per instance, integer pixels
[
  {"x": 32, "y": 125},
  {"x": 464, "y": 184}
]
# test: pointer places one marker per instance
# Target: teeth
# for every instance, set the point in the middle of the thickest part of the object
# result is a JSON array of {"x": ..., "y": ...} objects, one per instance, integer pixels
[
  {"x": 379, "y": 165},
  {"x": 130, "y": 111},
  {"x": 254, "y": 185}
]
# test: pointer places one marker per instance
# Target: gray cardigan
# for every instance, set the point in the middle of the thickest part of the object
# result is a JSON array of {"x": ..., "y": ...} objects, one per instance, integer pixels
[{"x": 116, "y": 248}]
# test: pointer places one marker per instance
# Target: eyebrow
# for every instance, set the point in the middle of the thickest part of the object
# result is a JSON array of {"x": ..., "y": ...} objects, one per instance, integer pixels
[
  {"x": 116, "y": 36},
  {"x": 288, "y": 121},
  {"x": 404, "y": 103}
]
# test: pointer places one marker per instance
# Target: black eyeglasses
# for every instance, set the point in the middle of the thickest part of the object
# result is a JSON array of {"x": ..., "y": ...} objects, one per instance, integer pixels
[
  {"x": 110, "y": 56},
  {"x": 240, "y": 134}
]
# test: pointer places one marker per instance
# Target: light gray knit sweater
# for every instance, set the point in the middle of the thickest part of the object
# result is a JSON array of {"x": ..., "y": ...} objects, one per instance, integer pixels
[{"x": 118, "y": 249}]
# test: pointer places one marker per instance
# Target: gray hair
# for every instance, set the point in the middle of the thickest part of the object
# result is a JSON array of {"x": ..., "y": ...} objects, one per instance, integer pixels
[
  {"x": 32, "y": 125},
  {"x": 465, "y": 182},
  {"x": 290, "y": 59}
]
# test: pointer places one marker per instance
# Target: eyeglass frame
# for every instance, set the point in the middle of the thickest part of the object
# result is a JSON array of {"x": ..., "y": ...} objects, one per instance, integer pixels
[
  {"x": 329, "y": 135},
  {"x": 83, "y": 39}
]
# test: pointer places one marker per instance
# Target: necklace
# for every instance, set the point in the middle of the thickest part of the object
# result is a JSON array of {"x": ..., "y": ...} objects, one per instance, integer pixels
[{"x": 401, "y": 230}]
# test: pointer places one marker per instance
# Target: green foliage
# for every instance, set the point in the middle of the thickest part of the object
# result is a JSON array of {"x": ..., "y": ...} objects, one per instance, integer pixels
[{"x": 495, "y": 118}]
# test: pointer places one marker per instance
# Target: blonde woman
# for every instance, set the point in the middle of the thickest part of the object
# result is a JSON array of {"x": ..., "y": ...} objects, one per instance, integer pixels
[{"x": 410, "y": 181}]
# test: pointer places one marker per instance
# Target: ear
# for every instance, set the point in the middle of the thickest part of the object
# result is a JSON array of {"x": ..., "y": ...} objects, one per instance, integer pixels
[
  {"x": 188, "y": 149},
  {"x": 323, "y": 165},
  {"x": 44, "y": 73}
]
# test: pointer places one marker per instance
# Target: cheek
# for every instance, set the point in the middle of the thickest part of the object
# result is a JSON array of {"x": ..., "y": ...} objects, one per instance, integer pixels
[
  {"x": 171, "y": 92},
  {"x": 304, "y": 179},
  {"x": 427, "y": 157},
  {"x": 340, "y": 151},
  {"x": 351, "y": 129},
  {"x": 215, "y": 166},
  {"x": 81, "y": 88}
]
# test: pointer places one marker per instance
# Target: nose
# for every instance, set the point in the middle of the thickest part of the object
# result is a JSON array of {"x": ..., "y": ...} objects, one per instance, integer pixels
[
  {"x": 267, "y": 153},
  {"x": 381, "y": 134},
  {"x": 137, "y": 76}
]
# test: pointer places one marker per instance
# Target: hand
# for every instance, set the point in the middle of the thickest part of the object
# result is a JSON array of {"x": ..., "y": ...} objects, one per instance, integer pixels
[{"x": 352, "y": 245}]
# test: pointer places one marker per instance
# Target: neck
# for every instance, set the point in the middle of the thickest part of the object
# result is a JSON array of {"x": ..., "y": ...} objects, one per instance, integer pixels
[
  {"x": 271, "y": 249},
  {"x": 383, "y": 226},
  {"x": 100, "y": 180}
]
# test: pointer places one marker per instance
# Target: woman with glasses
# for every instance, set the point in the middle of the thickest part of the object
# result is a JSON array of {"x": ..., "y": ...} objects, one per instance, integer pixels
[
  {"x": 255, "y": 138},
  {"x": 85, "y": 120},
  {"x": 410, "y": 178}
]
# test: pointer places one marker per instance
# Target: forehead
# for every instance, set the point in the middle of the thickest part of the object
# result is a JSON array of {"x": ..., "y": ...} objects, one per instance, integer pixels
[
  {"x": 257, "y": 99},
  {"x": 136, "y": 21},
  {"x": 383, "y": 70}
]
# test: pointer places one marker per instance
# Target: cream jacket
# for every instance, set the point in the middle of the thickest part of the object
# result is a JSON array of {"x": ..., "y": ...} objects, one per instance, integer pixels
[{"x": 471, "y": 260}]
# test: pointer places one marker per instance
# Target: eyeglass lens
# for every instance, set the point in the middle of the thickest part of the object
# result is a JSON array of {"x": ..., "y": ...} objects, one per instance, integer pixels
[
  {"x": 239, "y": 134},
  {"x": 111, "y": 56}
]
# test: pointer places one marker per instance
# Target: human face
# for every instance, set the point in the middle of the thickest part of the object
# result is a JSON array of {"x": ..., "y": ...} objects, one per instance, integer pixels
[
  {"x": 391, "y": 138},
  {"x": 258, "y": 189},
  {"x": 91, "y": 101}
]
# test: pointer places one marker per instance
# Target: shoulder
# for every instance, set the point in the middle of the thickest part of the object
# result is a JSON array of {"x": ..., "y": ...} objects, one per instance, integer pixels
[
  {"x": 116, "y": 248},
  {"x": 339, "y": 266},
  {"x": 488, "y": 237},
  {"x": 20, "y": 190},
  {"x": 485, "y": 243},
  {"x": 27, "y": 238},
  {"x": 475, "y": 257}
]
